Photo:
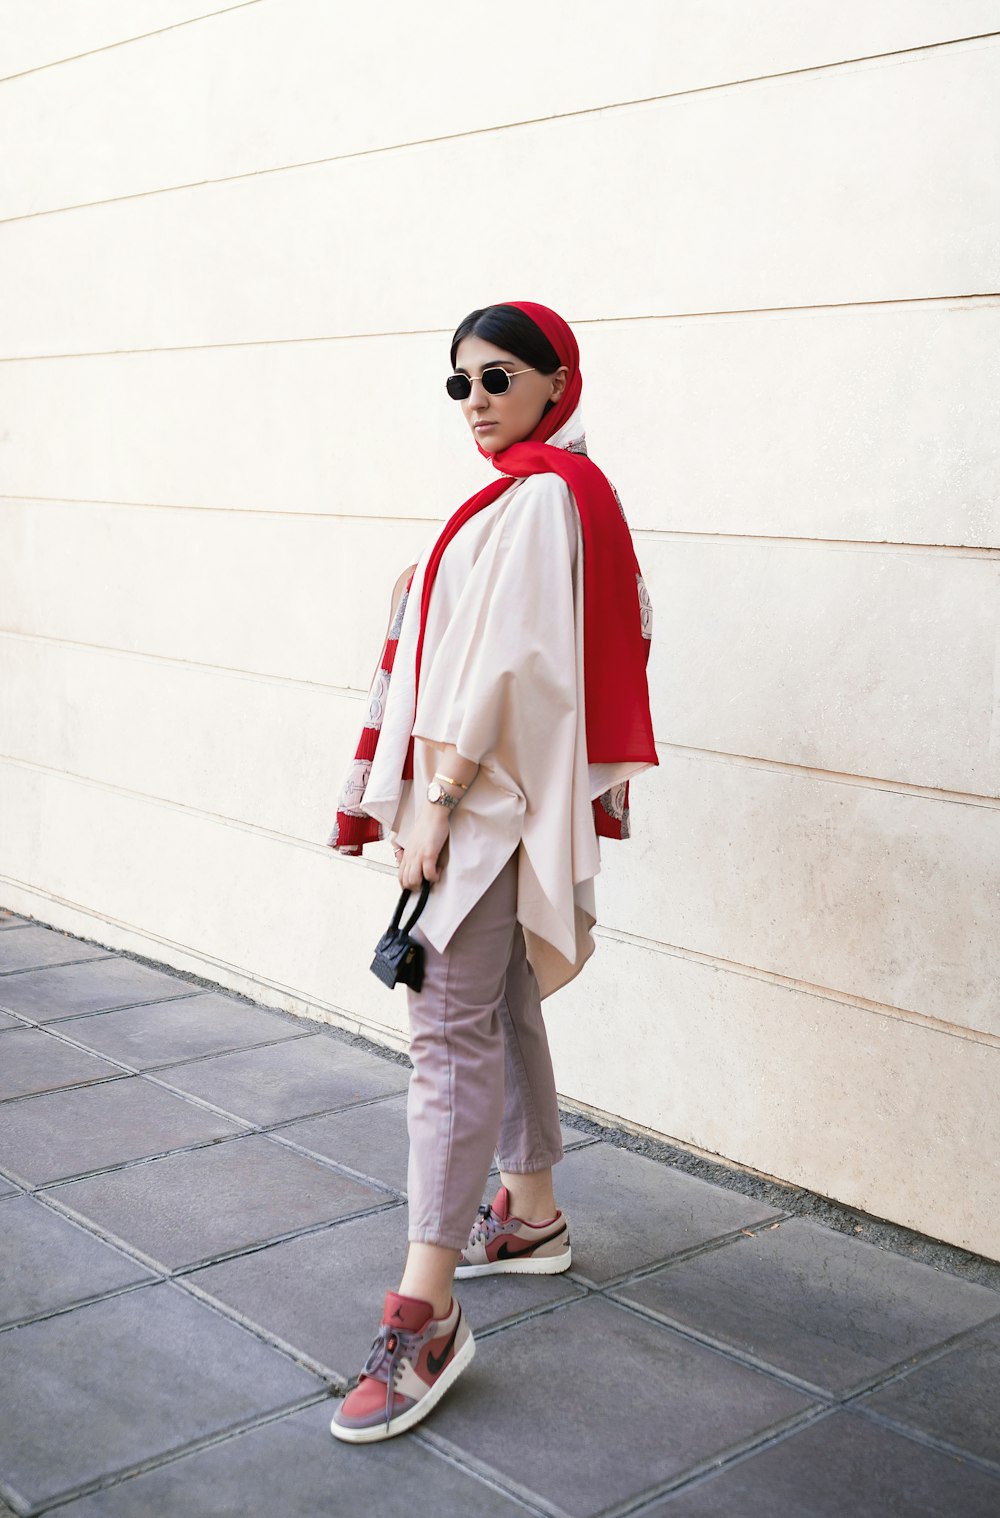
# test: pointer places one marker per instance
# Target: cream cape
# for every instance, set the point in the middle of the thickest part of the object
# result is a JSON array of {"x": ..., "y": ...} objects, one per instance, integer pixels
[{"x": 502, "y": 680}]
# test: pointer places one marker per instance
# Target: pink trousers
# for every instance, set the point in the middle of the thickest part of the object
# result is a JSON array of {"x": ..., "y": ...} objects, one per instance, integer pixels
[{"x": 482, "y": 1079}]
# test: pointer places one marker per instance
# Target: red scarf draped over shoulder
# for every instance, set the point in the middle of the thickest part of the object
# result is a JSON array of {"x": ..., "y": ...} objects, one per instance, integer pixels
[{"x": 615, "y": 652}]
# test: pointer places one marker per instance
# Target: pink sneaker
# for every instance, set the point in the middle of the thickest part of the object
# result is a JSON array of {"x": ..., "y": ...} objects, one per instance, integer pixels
[
  {"x": 499, "y": 1242},
  {"x": 413, "y": 1361}
]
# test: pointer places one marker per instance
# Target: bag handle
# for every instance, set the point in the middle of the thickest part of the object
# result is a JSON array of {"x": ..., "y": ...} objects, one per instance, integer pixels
[{"x": 425, "y": 891}]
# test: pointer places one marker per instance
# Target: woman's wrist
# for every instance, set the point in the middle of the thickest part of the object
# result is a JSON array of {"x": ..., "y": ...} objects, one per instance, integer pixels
[{"x": 442, "y": 798}]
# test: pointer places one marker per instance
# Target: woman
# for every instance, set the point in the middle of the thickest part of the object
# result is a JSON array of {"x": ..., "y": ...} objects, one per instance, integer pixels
[{"x": 508, "y": 713}]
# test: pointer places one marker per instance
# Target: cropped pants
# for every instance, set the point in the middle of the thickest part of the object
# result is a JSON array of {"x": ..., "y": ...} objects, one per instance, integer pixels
[{"x": 482, "y": 1079}]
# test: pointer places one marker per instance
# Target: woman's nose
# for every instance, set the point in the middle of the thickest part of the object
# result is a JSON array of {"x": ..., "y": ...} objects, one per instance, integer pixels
[{"x": 478, "y": 396}]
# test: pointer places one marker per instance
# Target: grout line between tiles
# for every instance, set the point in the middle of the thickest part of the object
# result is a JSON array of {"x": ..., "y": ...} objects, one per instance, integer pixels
[
  {"x": 846, "y": 1398},
  {"x": 28, "y": 1096},
  {"x": 62, "y": 964},
  {"x": 273, "y": 1340},
  {"x": 129, "y": 1006},
  {"x": 33, "y": 1188},
  {"x": 904, "y": 1369},
  {"x": 682, "y": 1256},
  {"x": 168, "y": 1272},
  {"x": 728, "y": 1352},
  {"x": 931, "y": 1441},
  {"x": 705, "y": 1470},
  {"x": 56, "y": 1031},
  {"x": 169, "y": 1457},
  {"x": 471, "y": 1465},
  {"x": 540, "y": 1310},
  {"x": 243, "y": 1129},
  {"x": 64, "y": 1308}
]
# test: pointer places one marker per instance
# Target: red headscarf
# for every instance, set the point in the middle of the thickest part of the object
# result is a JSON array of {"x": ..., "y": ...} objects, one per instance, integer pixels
[{"x": 616, "y": 696}]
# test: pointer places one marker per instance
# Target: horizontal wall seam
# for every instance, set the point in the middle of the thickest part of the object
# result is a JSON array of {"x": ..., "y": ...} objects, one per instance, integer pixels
[
  {"x": 804, "y": 987},
  {"x": 642, "y": 533},
  {"x": 249, "y": 511},
  {"x": 645, "y": 534},
  {"x": 255, "y": 677},
  {"x": 894, "y": 57},
  {"x": 353, "y": 693},
  {"x": 108, "y": 47},
  {"x": 967, "y": 300},
  {"x": 834, "y": 777},
  {"x": 200, "y": 814},
  {"x": 357, "y": 1023}
]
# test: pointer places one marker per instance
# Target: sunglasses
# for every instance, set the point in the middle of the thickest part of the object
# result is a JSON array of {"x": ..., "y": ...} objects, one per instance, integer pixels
[{"x": 495, "y": 381}]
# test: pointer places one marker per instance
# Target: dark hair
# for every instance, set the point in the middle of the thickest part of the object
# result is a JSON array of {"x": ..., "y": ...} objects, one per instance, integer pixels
[{"x": 511, "y": 329}]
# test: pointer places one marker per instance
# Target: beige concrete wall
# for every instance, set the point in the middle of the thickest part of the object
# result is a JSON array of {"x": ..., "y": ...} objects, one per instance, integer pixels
[{"x": 238, "y": 242}]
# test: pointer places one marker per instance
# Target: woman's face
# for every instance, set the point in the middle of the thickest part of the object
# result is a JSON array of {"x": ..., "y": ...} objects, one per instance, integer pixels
[{"x": 497, "y": 421}]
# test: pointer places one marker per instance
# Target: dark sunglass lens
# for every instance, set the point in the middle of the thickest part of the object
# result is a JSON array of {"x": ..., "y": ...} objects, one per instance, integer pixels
[
  {"x": 496, "y": 381},
  {"x": 458, "y": 386}
]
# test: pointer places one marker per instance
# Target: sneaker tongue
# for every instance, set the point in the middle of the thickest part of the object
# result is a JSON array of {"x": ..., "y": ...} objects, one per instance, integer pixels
[
  {"x": 408, "y": 1313},
  {"x": 501, "y": 1204}
]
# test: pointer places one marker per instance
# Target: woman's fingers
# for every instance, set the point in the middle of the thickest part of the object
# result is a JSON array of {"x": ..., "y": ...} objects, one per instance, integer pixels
[{"x": 413, "y": 871}]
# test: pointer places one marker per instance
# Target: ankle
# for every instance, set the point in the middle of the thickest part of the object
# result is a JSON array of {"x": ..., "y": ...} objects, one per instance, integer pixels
[{"x": 532, "y": 1204}]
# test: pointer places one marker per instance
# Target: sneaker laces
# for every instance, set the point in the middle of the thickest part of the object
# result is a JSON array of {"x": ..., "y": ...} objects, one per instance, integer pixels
[
  {"x": 388, "y": 1347},
  {"x": 487, "y": 1226}
]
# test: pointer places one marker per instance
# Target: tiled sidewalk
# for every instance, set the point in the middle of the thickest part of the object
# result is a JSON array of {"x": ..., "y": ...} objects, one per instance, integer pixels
[{"x": 203, "y": 1205}]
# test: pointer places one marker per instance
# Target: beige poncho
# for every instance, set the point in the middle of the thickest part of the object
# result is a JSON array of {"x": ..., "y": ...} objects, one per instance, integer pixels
[{"x": 502, "y": 680}]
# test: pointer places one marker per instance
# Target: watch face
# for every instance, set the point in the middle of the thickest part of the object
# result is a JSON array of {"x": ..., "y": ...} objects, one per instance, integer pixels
[{"x": 434, "y": 791}]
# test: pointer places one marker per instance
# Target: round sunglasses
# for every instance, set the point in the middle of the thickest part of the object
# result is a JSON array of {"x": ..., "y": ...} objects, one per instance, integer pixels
[{"x": 495, "y": 381}]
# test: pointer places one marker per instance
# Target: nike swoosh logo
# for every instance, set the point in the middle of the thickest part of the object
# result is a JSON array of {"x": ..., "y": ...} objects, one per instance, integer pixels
[
  {"x": 436, "y": 1363},
  {"x": 506, "y": 1253}
]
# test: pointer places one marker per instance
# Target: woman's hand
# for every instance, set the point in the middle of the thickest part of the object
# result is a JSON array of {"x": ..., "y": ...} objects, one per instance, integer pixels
[{"x": 428, "y": 838}]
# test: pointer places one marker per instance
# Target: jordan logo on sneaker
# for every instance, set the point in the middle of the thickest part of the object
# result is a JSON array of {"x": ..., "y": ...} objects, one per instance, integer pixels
[{"x": 506, "y": 1253}]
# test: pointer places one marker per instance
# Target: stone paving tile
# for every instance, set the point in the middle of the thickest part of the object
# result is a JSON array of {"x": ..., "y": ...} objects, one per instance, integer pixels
[
  {"x": 323, "y": 1293},
  {"x": 586, "y": 1407},
  {"x": 821, "y": 1305},
  {"x": 30, "y": 948},
  {"x": 34, "y": 1061},
  {"x": 113, "y": 1383},
  {"x": 627, "y": 1212},
  {"x": 7, "y": 1020},
  {"x": 841, "y": 1467},
  {"x": 288, "y": 1080},
  {"x": 292, "y": 1468},
  {"x": 64, "y": 1133},
  {"x": 7, "y": 1188},
  {"x": 169, "y": 1031},
  {"x": 97, "y": 986},
  {"x": 9, "y": 919},
  {"x": 187, "y": 1208},
  {"x": 48, "y": 1262},
  {"x": 955, "y": 1398},
  {"x": 370, "y": 1138}
]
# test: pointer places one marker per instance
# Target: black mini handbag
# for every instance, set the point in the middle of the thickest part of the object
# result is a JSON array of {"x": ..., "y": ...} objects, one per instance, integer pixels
[{"x": 397, "y": 957}]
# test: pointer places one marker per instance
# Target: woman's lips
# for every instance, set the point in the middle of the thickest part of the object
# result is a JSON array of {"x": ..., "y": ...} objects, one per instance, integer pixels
[{"x": 483, "y": 426}]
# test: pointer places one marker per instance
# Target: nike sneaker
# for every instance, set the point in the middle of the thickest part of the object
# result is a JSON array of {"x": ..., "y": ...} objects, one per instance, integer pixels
[
  {"x": 413, "y": 1361},
  {"x": 499, "y": 1243}
]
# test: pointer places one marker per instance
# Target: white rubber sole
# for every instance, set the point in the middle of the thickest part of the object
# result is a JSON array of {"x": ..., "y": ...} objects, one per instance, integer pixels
[
  {"x": 413, "y": 1414},
  {"x": 543, "y": 1265}
]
